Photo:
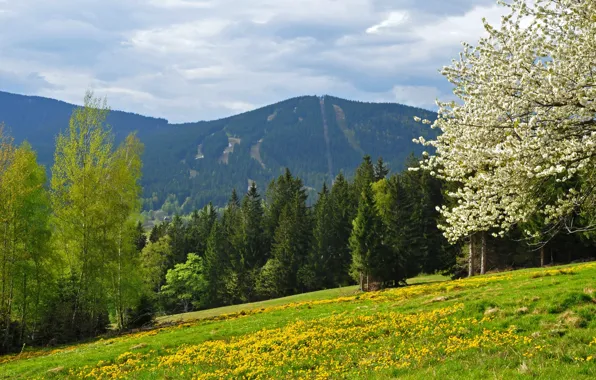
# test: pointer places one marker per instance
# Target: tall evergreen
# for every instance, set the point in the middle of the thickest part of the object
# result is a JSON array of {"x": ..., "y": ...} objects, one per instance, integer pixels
[
  {"x": 380, "y": 170},
  {"x": 253, "y": 250},
  {"x": 140, "y": 238},
  {"x": 317, "y": 271},
  {"x": 178, "y": 239},
  {"x": 343, "y": 211},
  {"x": 199, "y": 229},
  {"x": 216, "y": 265},
  {"x": 291, "y": 239},
  {"x": 366, "y": 242},
  {"x": 234, "y": 246},
  {"x": 364, "y": 176}
]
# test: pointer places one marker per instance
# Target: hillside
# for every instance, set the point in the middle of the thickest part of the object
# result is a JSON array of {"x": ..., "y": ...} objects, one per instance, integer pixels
[
  {"x": 538, "y": 322},
  {"x": 316, "y": 137}
]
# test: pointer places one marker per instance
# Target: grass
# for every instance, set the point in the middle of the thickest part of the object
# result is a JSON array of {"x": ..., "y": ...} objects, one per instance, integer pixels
[
  {"x": 305, "y": 297},
  {"x": 530, "y": 323}
]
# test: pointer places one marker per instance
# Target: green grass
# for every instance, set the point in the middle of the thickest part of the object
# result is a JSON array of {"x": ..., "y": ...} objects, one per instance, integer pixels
[
  {"x": 530, "y": 323},
  {"x": 305, "y": 297}
]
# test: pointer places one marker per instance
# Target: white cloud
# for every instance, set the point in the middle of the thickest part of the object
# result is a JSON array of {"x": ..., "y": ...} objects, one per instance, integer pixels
[
  {"x": 189, "y": 60},
  {"x": 417, "y": 96},
  {"x": 181, "y": 4},
  {"x": 394, "y": 19}
]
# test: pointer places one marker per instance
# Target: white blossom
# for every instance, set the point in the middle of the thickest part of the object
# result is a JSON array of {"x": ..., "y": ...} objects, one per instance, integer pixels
[{"x": 521, "y": 140}]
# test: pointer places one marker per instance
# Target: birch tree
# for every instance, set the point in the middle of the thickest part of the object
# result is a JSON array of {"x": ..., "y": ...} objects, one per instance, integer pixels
[
  {"x": 94, "y": 193},
  {"x": 26, "y": 270}
]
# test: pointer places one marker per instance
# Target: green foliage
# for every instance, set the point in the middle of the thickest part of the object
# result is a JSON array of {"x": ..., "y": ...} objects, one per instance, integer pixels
[
  {"x": 366, "y": 242},
  {"x": 185, "y": 284},
  {"x": 25, "y": 272},
  {"x": 156, "y": 258},
  {"x": 290, "y": 134}
]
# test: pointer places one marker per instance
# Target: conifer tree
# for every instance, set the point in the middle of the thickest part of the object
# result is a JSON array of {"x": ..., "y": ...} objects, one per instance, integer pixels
[
  {"x": 380, "y": 170},
  {"x": 234, "y": 246},
  {"x": 317, "y": 271},
  {"x": 366, "y": 242},
  {"x": 364, "y": 176},
  {"x": 215, "y": 265},
  {"x": 253, "y": 253},
  {"x": 292, "y": 236},
  {"x": 199, "y": 229},
  {"x": 178, "y": 239},
  {"x": 343, "y": 211}
]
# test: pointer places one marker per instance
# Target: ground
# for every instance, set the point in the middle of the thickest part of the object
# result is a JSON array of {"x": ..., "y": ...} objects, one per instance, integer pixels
[{"x": 529, "y": 323}]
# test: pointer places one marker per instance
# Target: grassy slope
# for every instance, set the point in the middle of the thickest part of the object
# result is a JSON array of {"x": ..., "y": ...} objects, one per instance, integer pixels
[{"x": 539, "y": 322}]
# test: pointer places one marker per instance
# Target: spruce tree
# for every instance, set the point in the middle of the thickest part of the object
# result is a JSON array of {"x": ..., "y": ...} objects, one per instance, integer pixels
[
  {"x": 215, "y": 266},
  {"x": 380, "y": 170},
  {"x": 291, "y": 241},
  {"x": 253, "y": 252},
  {"x": 177, "y": 233},
  {"x": 317, "y": 270},
  {"x": 364, "y": 176},
  {"x": 368, "y": 251},
  {"x": 199, "y": 229},
  {"x": 343, "y": 211}
]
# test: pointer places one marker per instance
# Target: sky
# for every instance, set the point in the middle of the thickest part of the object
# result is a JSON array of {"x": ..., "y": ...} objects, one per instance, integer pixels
[{"x": 190, "y": 60}]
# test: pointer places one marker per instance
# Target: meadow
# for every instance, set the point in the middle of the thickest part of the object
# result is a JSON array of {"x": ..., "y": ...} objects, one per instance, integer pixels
[{"x": 529, "y": 323}]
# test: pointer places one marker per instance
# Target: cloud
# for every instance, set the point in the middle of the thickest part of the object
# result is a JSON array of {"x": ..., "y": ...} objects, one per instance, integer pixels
[
  {"x": 24, "y": 82},
  {"x": 418, "y": 96},
  {"x": 394, "y": 19},
  {"x": 189, "y": 60}
]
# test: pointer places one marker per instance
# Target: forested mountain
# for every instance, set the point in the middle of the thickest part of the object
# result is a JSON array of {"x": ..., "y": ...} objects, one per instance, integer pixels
[{"x": 194, "y": 163}]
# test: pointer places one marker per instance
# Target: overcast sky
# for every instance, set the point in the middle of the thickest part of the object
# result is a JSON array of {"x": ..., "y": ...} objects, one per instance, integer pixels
[{"x": 188, "y": 60}]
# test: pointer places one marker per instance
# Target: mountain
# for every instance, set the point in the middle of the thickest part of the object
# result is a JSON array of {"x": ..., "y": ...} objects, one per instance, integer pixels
[{"x": 194, "y": 163}]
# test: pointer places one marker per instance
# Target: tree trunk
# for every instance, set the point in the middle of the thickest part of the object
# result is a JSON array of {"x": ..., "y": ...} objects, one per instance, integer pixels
[
  {"x": 483, "y": 253},
  {"x": 471, "y": 257},
  {"x": 542, "y": 256},
  {"x": 24, "y": 311},
  {"x": 552, "y": 257}
]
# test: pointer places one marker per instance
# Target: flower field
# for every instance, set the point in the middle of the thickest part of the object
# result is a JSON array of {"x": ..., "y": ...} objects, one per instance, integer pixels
[{"x": 539, "y": 322}]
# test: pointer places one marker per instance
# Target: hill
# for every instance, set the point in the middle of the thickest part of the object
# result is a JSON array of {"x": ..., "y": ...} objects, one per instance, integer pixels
[
  {"x": 316, "y": 137},
  {"x": 538, "y": 322}
]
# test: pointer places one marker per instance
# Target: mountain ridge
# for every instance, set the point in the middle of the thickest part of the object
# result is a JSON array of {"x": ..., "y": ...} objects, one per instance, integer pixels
[{"x": 189, "y": 164}]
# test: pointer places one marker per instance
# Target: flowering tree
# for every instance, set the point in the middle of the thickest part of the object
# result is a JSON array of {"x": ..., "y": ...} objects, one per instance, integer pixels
[{"x": 521, "y": 141}]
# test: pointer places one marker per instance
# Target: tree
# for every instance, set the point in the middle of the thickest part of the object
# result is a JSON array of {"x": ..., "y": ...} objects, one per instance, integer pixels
[
  {"x": 317, "y": 271},
  {"x": 364, "y": 176},
  {"x": 94, "y": 194},
  {"x": 216, "y": 266},
  {"x": 177, "y": 233},
  {"x": 520, "y": 142},
  {"x": 185, "y": 283},
  {"x": 343, "y": 210},
  {"x": 380, "y": 170},
  {"x": 289, "y": 220},
  {"x": 366, "y": 242},
  {"x": 199, "y": 229},
  {"x": 253, "y": 253},
  {"x": 81, "y": 164},
  {"x": 155, "y": 261},
  {"x": 26, "y": 274},
  {"x": 123, "y": 192},
  {"x": 140, "y": 237},
  {"x": 233, "y": 245}
]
